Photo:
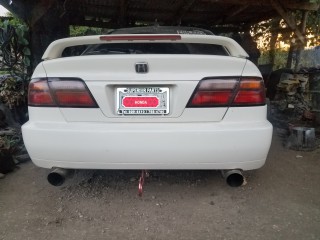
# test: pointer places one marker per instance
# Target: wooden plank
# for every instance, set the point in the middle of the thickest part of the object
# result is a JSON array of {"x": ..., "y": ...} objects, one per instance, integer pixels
[
  {"x": 302, "y": 6},
  {"x": 122, "y": 13},
  {"x": 289, "y": 19},
  {"x": 232, "y": 13},
  {"x": 8, "y": 132},
  {"x": 289, "y": 4},
  {"x": 183, "y": 11}
]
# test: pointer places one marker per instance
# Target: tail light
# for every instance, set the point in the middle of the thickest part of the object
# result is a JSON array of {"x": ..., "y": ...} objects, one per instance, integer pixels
[
  {"x": 60, "y": 92},
  {"x": 225, "y": 92}
]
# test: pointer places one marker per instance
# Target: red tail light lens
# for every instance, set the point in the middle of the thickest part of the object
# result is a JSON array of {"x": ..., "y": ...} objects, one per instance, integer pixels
[
  {"x": 213, "y": 92},
  {"x": 228, "y": 92},
  {"x": 210, "y": 98},
  {"x": 39, "y": 93},
  {"x": 62, "y": 92},
  {"x": 71, "y": 93},
  {"x": 248, "y": 97},
  {"x": 250, "y": 92}
]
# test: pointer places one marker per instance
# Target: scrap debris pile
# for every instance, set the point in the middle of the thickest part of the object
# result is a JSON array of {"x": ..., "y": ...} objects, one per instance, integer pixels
[
  {"x": 295, "y": 106},
  {"x": 12, "y": 150}
]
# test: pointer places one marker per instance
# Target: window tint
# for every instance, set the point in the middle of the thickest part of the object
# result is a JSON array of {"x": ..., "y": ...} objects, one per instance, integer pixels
[{"x": 156, "y": 48}]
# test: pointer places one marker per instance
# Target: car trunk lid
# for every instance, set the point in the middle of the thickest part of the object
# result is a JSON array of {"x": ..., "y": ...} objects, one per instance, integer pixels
[{"x": 106, "y": 74}]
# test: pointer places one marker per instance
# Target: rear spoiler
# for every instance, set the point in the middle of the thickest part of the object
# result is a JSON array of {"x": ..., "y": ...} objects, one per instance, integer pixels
[{"x": 56, "y": 48}]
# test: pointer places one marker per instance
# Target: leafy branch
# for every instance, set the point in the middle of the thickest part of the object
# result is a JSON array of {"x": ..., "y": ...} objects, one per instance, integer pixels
[{"x": 15, "y": 57}]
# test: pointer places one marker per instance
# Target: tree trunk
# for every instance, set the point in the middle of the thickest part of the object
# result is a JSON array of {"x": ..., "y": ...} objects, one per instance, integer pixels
[
  {"x": 273, "y": 40},
  {"x": 290, "y": 55},
  {"x": 300, "y": 46},
  {"x": 51, "y": 26}
]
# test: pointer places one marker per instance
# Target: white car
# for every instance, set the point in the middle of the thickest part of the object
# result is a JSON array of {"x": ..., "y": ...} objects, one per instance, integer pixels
[{"x": 183, "y": 100}]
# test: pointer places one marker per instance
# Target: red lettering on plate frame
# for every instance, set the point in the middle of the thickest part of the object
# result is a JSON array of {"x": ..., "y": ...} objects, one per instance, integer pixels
[{"x": 140, "y": 101}]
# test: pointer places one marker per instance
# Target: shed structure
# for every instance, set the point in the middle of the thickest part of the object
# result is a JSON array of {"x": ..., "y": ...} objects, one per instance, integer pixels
[{"x": 50, "y": 19}]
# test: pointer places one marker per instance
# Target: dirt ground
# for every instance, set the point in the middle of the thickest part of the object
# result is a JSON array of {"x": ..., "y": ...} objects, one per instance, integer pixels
[{"x": 280, "y": 201}]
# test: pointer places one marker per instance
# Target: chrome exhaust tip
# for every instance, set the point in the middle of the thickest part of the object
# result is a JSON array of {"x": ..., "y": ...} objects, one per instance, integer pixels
[
  {"x": 234, "y": 177},
  {"x": 58, "y": 176}
]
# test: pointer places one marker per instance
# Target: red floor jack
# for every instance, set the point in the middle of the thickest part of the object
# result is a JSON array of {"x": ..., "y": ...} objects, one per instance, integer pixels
[{"x": 144, "y": 174}]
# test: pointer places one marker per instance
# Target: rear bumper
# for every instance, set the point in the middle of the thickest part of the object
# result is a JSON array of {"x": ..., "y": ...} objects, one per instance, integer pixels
[{"x": 148, "y": 145}]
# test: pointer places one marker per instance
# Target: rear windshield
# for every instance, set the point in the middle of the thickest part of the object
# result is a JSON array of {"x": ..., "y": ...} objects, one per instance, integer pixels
[{"x": 156, "y": 48}]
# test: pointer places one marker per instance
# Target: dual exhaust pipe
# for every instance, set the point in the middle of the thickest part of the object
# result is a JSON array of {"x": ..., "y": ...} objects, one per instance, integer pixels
[
  {"x": 57, "y": 177},
  {"x": 234, "y": 177}
]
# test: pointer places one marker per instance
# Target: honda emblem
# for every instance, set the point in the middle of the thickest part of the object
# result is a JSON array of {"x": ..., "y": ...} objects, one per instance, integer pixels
[{"x": 142, "y": 67}]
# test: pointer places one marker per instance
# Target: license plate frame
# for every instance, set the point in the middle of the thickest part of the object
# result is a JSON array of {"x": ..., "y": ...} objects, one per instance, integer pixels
[{"x": 137, "y": 100}]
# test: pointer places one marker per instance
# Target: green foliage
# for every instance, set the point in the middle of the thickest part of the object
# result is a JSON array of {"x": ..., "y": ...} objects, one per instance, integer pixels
[
  {"x": 313, "y": 27},
  {"x": 13, "y": 92},
  {"x": 283, "y": 33},
  {"x": 280, "y": 58},
  {"x": 84, "y": 31},
  {"x": 15, "y": 57},
  {"x": 9, "y": 144},
  {"x": 307, "y": 59},
  {"x": 15, "y": 51}
]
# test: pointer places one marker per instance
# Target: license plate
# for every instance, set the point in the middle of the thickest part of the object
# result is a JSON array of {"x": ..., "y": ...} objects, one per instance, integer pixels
[{"x": 143, "y": 101}]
